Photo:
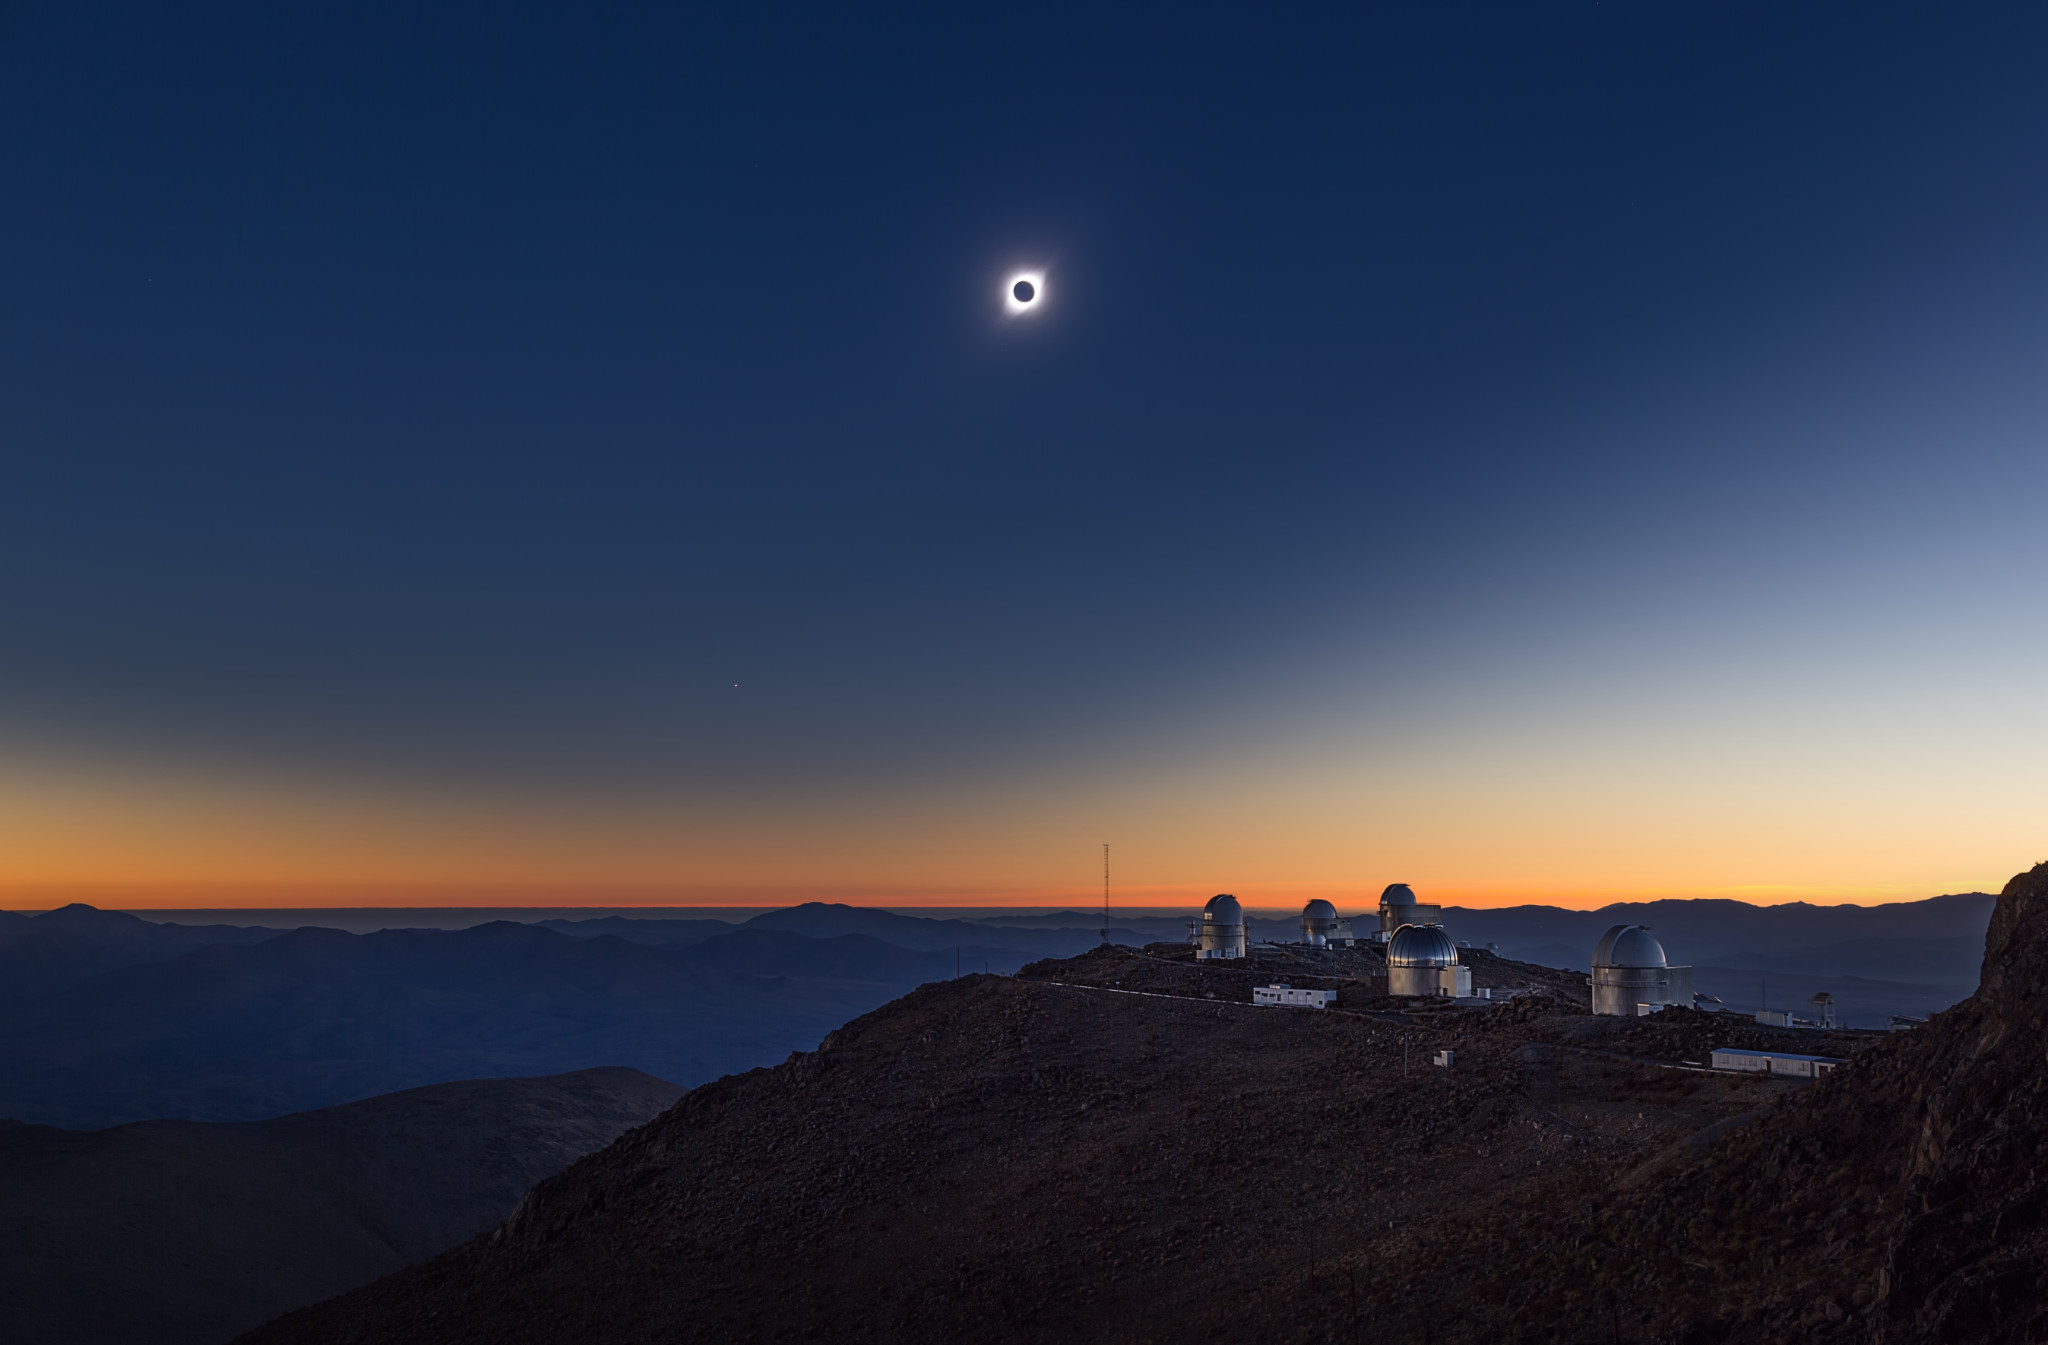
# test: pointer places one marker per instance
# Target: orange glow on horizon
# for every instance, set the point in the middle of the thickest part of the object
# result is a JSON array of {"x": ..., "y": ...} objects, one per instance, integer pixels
[
  {"x": 1350, "y": 898},
  {"x": 1498, "y": 830}
]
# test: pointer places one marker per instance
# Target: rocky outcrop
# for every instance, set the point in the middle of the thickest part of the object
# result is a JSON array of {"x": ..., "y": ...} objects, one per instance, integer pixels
[
  {"x": 1968, "y": 1258},
  {"x": 1899, "y": 1201}
]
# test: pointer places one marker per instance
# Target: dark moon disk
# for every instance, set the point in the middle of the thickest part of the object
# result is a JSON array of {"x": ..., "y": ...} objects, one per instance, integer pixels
[{"x": 1024, "y": 292}]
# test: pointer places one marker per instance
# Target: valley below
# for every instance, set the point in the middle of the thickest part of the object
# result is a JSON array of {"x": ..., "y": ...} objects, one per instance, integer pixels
[{"x": 186, "y": 1232}]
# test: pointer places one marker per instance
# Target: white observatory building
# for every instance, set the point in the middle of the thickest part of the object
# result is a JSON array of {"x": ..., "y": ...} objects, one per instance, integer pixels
[
  {"x": 1222, "y": 931},
  {"x": 1399, "y": 907},
  {"x": 1422, "y": 960},
  {"x": 1318, "y": 923},
  {"x": 1631, "y": 977}
]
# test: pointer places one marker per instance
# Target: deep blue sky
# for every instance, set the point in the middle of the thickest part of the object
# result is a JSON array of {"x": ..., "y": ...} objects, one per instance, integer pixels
[{"x": 465, "y": 399}]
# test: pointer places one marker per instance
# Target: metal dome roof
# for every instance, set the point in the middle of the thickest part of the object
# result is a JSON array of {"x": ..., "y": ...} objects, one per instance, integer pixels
[
  {"x": 1224, "y": 910},
  {"x": 1421, "y": 946},
  {"x": 1398, "y": 894},
  {"x": 1319, "y": 910},
  {"x": 1628, "y": 946}
]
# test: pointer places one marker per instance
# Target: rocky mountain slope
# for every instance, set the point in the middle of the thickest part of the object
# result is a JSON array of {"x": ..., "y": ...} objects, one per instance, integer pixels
[
  {"x": 1118, "y": 1156},
  {"x": 1902, "y": 1200},
  {"x": 174, "y": 1231}
]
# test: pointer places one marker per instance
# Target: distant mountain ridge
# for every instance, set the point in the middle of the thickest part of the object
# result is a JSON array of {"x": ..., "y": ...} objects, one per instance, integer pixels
[
  {"x": 1913, "y": 958},
  {"x": 114, "y": 1018},
  {"x": 1711, "y": 929},
  {"x": 317, "y": 1017},
  {"x": 824, "y": 920},
  {"x": 47, "y": 952}
]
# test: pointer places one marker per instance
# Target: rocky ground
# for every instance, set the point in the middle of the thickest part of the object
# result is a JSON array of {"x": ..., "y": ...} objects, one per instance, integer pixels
[
  {"x": 1020, "y": 1158},
  {"x": 1118, "y": 1147}
]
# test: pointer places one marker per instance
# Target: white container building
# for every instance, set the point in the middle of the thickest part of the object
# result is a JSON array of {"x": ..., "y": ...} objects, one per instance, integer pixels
[
  {"x": 1290, "y": 996},
  {"x": 1774, "y": 1062}
]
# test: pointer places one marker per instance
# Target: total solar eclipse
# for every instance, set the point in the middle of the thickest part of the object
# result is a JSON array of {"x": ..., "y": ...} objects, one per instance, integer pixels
[{"x": 1024, "y": 292}]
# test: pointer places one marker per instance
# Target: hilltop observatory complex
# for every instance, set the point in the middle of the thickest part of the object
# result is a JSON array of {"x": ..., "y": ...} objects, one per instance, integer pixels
[{"x": 1421, "y": 959}]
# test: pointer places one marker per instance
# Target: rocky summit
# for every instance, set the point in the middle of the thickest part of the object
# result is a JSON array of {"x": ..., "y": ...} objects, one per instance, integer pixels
[{"x": 1121, "y": 1147}]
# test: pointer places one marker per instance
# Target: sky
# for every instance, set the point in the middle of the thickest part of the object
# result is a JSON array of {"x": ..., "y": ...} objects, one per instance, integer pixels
[{"x": 1563, "y": 452}]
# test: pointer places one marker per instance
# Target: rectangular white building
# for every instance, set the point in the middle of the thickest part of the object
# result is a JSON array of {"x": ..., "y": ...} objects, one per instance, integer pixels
[
  {"x": 1774, "y": 1062},
  {"x": 1287, "y": 994}
]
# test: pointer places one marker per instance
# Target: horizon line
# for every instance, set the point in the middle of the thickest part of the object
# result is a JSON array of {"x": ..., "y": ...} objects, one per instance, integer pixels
[{"x": 1081, "y": 907}]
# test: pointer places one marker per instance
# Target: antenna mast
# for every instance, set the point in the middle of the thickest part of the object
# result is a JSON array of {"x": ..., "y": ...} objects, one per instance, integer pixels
[{"x": 1105, "y": 891}]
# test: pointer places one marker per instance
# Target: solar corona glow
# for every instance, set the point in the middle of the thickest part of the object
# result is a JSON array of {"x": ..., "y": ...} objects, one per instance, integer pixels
[{"x": 1024, "y": 293}]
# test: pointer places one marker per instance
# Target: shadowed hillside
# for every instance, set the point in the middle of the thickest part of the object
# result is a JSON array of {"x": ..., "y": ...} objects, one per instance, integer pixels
[
  {"x": 168, "y": 1232},
  {"x": 1019, "y": 1160}
]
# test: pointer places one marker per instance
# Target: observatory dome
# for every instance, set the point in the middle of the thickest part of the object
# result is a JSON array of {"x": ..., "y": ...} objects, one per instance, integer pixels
[
  {"x": 1421, "y": 946},
  {"x": 1398, "y": 894},
  {"x": 1628, "y": 946},
  {"x": 1318, "y": 919},
  {"x": 1221, "y": 930}
]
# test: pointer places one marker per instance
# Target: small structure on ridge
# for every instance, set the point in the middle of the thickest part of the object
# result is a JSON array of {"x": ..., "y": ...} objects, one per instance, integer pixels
[{"x": 1287, "y": 994}]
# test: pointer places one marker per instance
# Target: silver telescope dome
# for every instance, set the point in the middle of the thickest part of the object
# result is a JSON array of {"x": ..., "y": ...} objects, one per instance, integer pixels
[
  {"x": 1628, "y": 946},
  {"x": 1421, "y": 946}
]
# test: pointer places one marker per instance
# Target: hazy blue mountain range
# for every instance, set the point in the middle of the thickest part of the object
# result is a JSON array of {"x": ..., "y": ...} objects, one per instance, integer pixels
[
  {"x": 316, "y": 1017},
  {"x": 1152, "y": 928},
  {"x": 825, "y": 920},
  {"x": 1913, "y": 957},
  {"x": 657, "y": 933},
  {"x": 112, "y": 1018},
  {"x": 46, "y": 952},
  {"x": 1712, "y": 931},
  {"x": 185, "y": 1233}
]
